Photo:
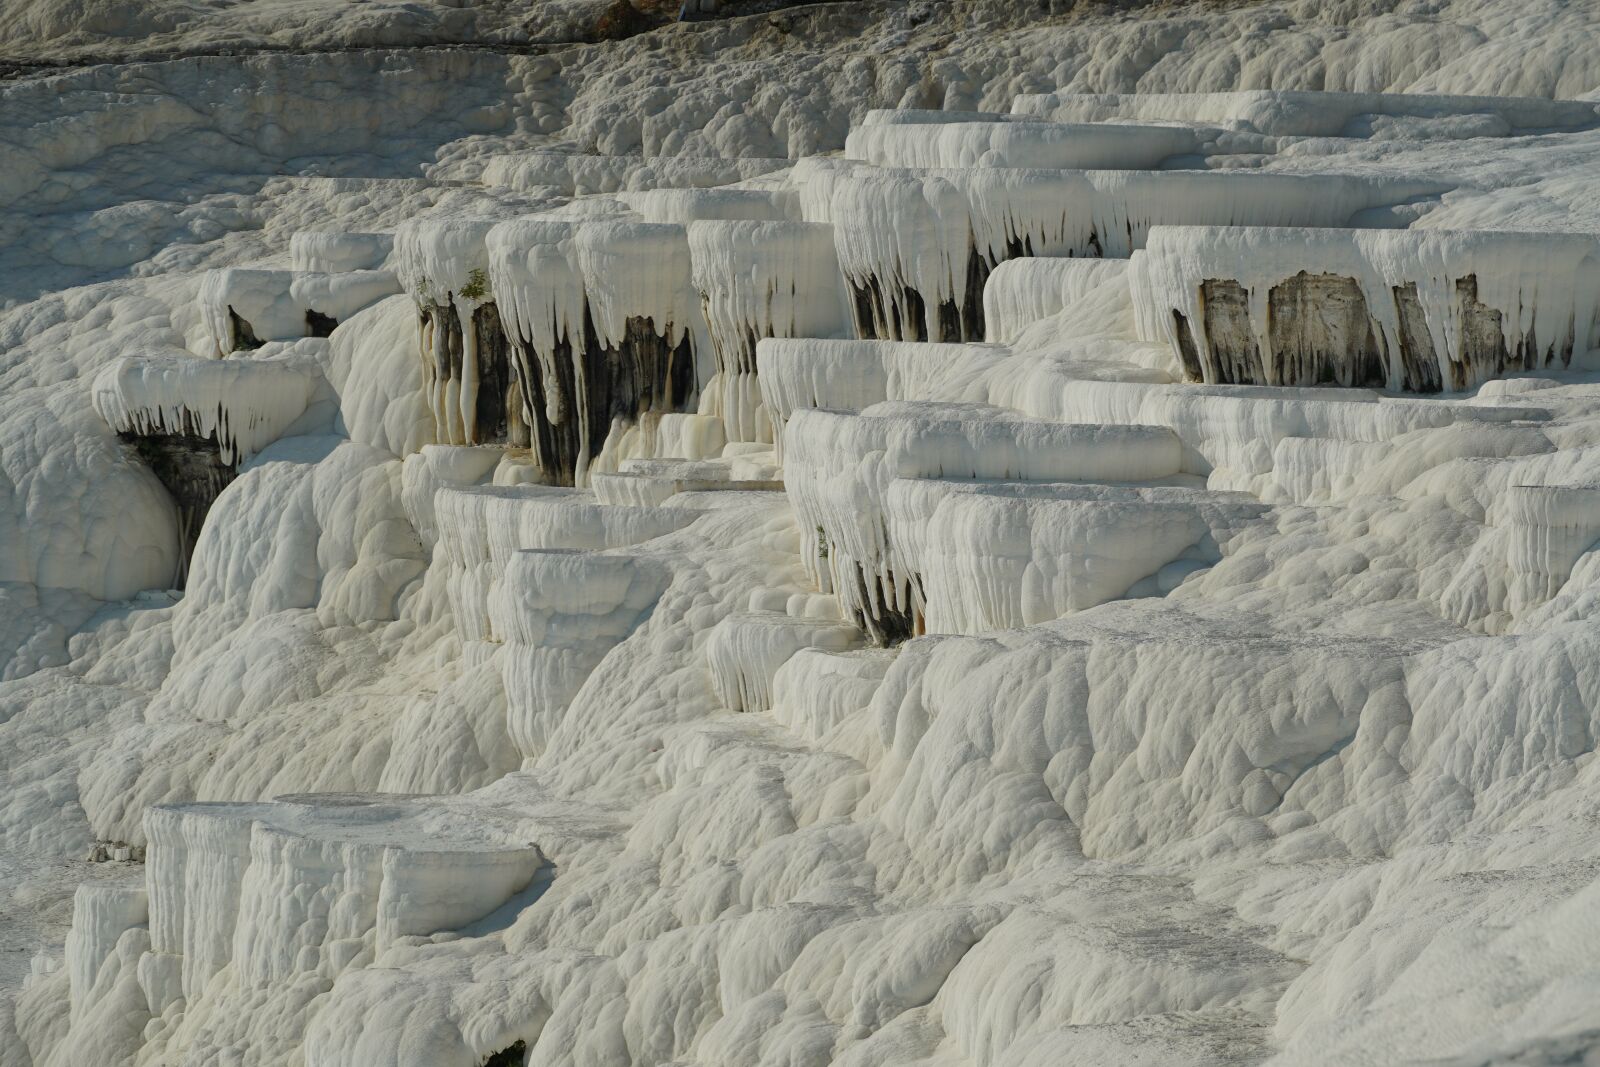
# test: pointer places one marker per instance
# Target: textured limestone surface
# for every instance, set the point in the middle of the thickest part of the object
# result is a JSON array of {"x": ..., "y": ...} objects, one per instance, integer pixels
[{"x": 976, "y": 534}]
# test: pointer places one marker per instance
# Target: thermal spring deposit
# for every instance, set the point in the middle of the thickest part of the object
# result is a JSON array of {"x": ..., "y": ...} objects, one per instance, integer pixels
[{"x": 744, "y": 533}]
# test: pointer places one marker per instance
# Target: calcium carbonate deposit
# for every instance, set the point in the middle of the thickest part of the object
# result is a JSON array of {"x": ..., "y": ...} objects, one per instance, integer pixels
[{"x": 739, "y": 534}]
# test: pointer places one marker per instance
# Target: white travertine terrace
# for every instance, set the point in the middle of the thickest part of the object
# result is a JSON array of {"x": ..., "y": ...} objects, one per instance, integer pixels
[
  {"x": 649, "y": 482},
  {"x": 242, "y": 404},
  {"x": 746, "y": 651},
  {"x": 926, "y": 116},
  {"x": 1082, "y": 146},
  {"x": 1304, "y": 114},
  {"x": 1417, "y": 310},
  {"x": 995, "y": 555},
  {"x": 243, "y": 308},
  {"x": 482, "y": 527},
  {"x": 558, "y": 613},
  {"x": 433, "y": 467},
  {"x": 1549, "y": 527},
  {"x": 684, "y": 206},
  {"x": 311, "y": 885},
  {"x": 1229, "y": 433},
  {"x": 917, "y": 246},
  {"x": 839, "y": 469},
  {"x": 816, "y": 691},
  {"x": 101, "y": 915},
  {"x": 582, "y": 174},
  {"x": 659, "y": 655},
  {"x": 337, "y": 251},
  {"x": 339, "y": 295},
  {"x": 260, "y": 298},
  {"x": 843, "y": 375},
  {"x": 683, "y": 435},
  {"x": 436, "y": 258}
]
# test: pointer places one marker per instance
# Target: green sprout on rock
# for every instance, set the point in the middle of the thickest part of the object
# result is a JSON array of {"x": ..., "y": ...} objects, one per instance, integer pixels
[{"x": 477, "y": 286}]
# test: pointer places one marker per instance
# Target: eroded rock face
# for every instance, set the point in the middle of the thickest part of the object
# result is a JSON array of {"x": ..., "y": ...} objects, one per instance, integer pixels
[
  {"x": 550, "y": 392},
  {"x": 1321, "y": 332},
  {"x": 513, "y": 1055},
  {"x": 1484, "y": 350},
  {"x": 885, "y": 623},
  {"x": 1236, "y": 358},
  {"x": 192, "y": 469},
  {"x": 1421, "y": 369},
  {"x": 645, "y": 373},
  {"x": 877, "y": 317}
]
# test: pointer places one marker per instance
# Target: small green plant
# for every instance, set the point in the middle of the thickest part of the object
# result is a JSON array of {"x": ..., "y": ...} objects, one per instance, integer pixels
[
  {"x": 822, "y": 543},
  {"x": 477, "y": 286}
]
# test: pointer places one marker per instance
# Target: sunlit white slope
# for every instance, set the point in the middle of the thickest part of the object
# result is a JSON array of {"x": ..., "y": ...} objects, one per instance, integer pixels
[{"x": 60, "y": 526}]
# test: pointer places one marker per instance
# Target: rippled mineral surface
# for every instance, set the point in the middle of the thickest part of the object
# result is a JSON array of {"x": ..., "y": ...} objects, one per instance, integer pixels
[{"x": 965, "y": 534}]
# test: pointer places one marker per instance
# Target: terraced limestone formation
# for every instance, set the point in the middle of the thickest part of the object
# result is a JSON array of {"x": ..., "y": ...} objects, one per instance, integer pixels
[{"x": 1041, "y": 573}]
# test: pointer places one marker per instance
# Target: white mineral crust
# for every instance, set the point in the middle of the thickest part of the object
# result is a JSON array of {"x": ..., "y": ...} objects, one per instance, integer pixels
[{"x": 951, "y": 534}]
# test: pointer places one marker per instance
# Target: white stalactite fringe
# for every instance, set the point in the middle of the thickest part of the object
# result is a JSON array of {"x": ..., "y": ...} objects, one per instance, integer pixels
[
  {"x": 758, "y": 280},
  {"x": 243, "y": 404},
  {"x": 917, "y": 246},
  {"x": 597, "y": 359},
  {"x": 444, "y": 265},
  {"x": 1438, "y": 309}
]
